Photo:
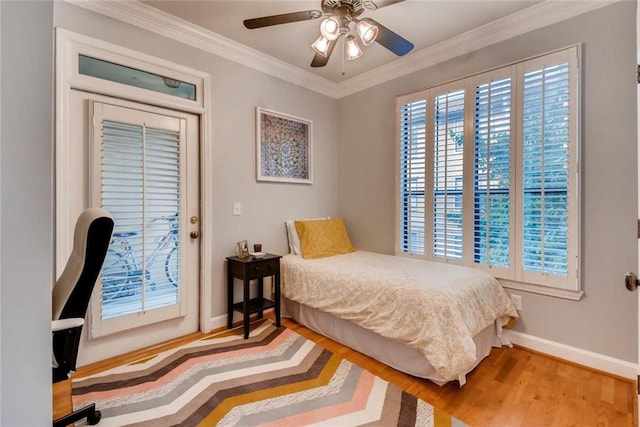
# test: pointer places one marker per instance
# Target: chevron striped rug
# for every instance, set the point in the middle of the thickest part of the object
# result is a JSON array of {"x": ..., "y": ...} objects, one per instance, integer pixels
[{"x": 275, "y": 378}]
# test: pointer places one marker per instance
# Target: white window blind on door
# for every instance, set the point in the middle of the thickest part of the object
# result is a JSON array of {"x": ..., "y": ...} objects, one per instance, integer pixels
[
  {"x": 141, "y": 188},
  {"x": 138, "y": 168}
]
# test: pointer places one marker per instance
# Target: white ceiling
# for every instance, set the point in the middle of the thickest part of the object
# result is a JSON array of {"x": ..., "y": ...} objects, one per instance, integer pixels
[{"x": 423, "y": 22}]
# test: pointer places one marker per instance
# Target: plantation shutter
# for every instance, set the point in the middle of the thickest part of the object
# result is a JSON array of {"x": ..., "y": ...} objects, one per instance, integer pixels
[
  {"x": 492, "y": 174},
  {"x": 545, "y": 174},
  {"x": 122, "y": 177},
  {"x": 413, "y": 117},
  {"x": 448, "y": 144},
  {"x": 137, "y": 165},
  {"x": 509, "y": 205}
]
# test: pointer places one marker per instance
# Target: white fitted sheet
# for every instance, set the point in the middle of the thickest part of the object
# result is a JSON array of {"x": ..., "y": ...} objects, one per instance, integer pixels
[{"x": 390, "y": 352}]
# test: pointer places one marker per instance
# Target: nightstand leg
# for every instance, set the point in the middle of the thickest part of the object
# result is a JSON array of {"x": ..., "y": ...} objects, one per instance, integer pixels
[
  {"x": 229, "y": 299},
  {"x": 246, "y": 308},
  {"x": 276, "y": 297},
  {"x": 260, "y": 294}
]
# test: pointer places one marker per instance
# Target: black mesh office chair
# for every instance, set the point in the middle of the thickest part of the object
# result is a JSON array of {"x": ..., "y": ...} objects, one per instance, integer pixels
[{"x": 71, "y": 295}]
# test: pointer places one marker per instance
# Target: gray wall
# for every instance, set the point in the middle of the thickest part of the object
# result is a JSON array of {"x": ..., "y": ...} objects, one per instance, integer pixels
[
  {"x": 26, "y": 214},
  {"x": 606, "y": 320},
  {"x": 235, "y": 93}
]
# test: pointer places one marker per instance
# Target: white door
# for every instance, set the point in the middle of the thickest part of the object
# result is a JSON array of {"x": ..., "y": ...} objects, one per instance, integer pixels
[{"x": 141, "y": 163}]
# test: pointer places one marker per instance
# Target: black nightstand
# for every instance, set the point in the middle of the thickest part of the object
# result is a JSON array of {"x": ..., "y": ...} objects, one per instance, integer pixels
[{"x": 247, "y": 269}]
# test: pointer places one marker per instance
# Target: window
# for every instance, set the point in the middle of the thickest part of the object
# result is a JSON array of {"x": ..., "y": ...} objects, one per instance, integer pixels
[
  {"x": 133, "y": 77},
  {"x": 448, "y": 143},
  {"x": 412, "y": 177},
  {"x": 545, "y": 173},
  {"x": 488, "y": 172}
]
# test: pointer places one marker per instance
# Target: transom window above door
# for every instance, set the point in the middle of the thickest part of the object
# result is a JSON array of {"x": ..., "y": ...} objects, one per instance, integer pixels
[{"x": 106, "y": 70}]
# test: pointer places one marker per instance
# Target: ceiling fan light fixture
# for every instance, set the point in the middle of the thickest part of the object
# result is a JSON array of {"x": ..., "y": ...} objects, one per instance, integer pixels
[
  {"x": 367, "y": 31},
  {"x": 330, "y": 28},
  {"x": 352, "y": 50},
  {"x": 321, "y": 45},
  {"x": 340, "y": 23}
]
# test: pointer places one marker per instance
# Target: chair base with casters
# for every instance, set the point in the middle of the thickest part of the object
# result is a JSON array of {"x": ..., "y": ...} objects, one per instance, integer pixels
[
  {"x": 89, "y": 412},
  {"x": 67, "y": 333},
  {"x": 70, "y": 299}
]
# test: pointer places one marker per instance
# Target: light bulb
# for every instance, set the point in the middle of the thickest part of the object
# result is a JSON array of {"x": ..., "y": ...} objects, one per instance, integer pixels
[
  {"x": 321, "y": 45},
  {"x": 367, "y": 31},
  {"x": 352, "y": 50},
  {"x": 330, "y": 28}
]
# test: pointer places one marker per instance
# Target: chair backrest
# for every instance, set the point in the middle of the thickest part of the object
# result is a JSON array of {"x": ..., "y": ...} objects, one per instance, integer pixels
[{"x": 73, "y": 289}]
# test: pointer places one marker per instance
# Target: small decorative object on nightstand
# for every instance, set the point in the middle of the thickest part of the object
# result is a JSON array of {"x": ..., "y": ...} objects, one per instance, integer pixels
[
  {"x": 242, "y": 249},
  {"x": 247, "y": 269}
]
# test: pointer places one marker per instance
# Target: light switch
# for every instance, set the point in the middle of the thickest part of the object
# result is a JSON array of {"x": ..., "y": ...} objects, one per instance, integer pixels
[{"x": 237, "y": 208}]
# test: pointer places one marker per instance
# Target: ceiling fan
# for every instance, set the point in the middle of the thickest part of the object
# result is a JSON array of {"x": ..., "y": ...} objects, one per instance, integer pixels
[{"x": 341, "y": 15}]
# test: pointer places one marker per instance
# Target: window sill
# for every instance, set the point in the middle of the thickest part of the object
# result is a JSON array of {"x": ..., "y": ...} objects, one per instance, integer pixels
[{"x": 543, "y": 290}]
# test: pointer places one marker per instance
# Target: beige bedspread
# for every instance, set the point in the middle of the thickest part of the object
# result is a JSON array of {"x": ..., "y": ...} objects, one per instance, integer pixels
[{"x": 434, "y": 307}]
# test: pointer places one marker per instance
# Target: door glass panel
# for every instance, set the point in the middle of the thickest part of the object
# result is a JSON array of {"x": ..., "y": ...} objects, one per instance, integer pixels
[{"x": 140, "y": 186}]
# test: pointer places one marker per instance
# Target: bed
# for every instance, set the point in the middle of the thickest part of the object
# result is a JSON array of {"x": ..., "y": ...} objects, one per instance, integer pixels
[{"x": 431, "y": 320}]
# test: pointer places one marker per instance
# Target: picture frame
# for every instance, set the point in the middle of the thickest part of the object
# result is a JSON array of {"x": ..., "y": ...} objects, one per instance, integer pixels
[
  {"x": 284, "y": 147},
  {"x": 242, "y": 249}
]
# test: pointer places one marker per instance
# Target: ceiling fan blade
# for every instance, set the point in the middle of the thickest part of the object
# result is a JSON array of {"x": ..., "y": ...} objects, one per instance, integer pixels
[
  {"x": 321, "y": 60},
  {"x": 392, "y": 41},
  {"x": 377, "y": 4},
  {"x": 285, "y": 18}
]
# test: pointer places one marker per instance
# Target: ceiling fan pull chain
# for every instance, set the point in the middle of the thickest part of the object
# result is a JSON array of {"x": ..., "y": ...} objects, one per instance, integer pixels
[{"x": 343, "y": 52}]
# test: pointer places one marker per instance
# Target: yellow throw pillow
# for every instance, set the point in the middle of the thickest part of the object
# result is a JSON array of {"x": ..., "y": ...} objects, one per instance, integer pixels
[{"x": 323, "y": 238}]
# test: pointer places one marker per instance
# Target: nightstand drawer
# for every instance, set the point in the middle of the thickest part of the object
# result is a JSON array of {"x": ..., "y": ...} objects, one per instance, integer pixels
[{"x": 261, "y": 269}]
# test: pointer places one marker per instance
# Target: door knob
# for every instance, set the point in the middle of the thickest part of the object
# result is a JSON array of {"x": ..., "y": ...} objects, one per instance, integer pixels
[
  {"x": 631, "y": 281},
  {"x": 194, "y": 234}
]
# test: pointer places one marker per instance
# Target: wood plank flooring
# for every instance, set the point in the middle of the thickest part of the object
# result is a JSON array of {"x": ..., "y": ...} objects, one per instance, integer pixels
[{"x": 511, "y": 387}]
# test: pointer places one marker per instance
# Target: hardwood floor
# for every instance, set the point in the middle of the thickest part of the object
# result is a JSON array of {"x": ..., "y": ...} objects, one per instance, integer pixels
[{"x": 511, "y": 387}]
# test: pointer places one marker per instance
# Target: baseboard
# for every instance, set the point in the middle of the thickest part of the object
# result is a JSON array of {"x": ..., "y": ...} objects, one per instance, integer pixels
[
  {"x": 597, "y": 361},
  {"x": 590, "y": 359},
  {"x": 218, "y": 322}
]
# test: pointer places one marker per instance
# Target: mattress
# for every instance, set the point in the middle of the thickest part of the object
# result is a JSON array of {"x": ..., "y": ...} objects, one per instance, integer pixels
[{"x": 434, "y": 308}]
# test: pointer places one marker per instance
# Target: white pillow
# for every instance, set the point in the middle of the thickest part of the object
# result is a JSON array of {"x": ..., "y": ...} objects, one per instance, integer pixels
[{"x": 292, "y": 234}]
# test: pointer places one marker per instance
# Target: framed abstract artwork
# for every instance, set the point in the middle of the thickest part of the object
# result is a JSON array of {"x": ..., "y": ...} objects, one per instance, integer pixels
[{"x": 283, "y": 148}]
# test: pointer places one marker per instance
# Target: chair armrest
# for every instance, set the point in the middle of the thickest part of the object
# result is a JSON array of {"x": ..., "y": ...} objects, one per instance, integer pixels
[{"x": 62, "y": 324}]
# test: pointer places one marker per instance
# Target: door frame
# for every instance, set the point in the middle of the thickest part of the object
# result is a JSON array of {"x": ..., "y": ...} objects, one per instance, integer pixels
[
  {"x": 637, "y": 399},
  {"x": 69, "y": 46}
]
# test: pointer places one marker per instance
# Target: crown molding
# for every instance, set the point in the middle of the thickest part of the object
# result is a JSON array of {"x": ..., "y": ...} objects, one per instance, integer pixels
[
  {"x": 537, "y": 16},
  {"x": 151, "y": 19}
]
